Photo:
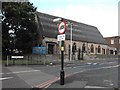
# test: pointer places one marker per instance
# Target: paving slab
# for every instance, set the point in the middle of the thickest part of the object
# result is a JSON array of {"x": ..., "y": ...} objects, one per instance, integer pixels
[{"x": 74, "y": 84}]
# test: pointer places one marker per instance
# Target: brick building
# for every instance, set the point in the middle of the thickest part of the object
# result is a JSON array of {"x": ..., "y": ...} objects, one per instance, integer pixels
[
  {"x": 114, "y": 42},
  {"x": 87, "y": 39}
]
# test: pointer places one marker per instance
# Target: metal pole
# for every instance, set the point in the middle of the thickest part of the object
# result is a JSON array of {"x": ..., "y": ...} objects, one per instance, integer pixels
[
  {"x": 71, "y": 43},
  {"x": 62, "y": 64},
  {"x": 7, "y": 60}
]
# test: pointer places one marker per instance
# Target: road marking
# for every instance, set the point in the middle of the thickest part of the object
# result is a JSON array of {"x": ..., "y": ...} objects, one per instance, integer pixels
[
  {"x": 108, "y": 63},
  {"x": 89, "y": 63},
  {"x": 1, "y": 73},
  {"x": 109, "y": 82},
  {"x": 95, "y": 68},
  {"x": 47, "y": 83},
  {"x": 94, "y": 87},
  {"x": 109, "y": 67},
  {"x": 95, "y": 63},
  {"x": 5, "y": 78},
  {"x": 47, "y": 86},
  {"x": 22, "y": 72}
]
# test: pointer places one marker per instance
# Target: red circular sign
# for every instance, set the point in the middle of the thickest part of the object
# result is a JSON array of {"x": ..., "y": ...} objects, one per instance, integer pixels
[{"x": 62, "y": 27}]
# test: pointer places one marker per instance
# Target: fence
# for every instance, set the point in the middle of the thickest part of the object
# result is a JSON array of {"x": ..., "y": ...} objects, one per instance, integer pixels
[{"x": 34, "y": 59}]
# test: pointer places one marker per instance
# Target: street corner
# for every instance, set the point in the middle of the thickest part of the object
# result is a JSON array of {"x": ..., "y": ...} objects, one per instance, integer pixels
[
  {"x": 47, "y": 83},
  {"x": 73, "y": 84},
  {"x": 69, "y": 82}
]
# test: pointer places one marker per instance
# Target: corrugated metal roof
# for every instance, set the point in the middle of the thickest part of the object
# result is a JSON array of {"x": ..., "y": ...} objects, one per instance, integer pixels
[{"x": 81, "y": 32}]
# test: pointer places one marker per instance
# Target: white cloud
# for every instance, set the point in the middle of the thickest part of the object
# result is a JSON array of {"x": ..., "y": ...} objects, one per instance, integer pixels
[{"x": 104, "y": 18}]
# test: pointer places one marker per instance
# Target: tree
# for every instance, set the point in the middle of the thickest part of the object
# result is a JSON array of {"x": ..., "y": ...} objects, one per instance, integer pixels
[{"x": 19, "y": 29}]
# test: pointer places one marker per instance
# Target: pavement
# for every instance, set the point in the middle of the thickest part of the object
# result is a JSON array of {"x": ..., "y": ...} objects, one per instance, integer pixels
[
  {"x": 43, "y": 79},
  {"x": 75, "y": 84},
  {"x": 23, "y": 77},
  {"x": 78, "y": 80}
]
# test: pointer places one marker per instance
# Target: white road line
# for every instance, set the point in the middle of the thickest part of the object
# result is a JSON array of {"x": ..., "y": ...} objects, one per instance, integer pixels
[
  {"x": 110, "y": 67},
  {"x": 109, "y": 82},
  {"x": 89, "y": 63},
  {"x": 108, "y": 63},
  {"x": 48, "y": 85},
  {"x": 94, "y": 68},
  {"x": 95, "y": 63},
  {"x": 5, "y": 78},
  {"x": 22, "y": 72},
  {"x": 94, "y": 87},
  {"x": 1, "y": 73}
]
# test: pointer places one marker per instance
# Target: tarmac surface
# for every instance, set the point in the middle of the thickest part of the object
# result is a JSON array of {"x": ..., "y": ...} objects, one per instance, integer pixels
[{"x": 100, "y": 74}]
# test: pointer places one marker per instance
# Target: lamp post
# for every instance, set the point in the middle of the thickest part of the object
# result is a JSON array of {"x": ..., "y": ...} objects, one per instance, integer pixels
[
  {"x": 71, "y": 25},
  {"x": 71, "y": 42}
]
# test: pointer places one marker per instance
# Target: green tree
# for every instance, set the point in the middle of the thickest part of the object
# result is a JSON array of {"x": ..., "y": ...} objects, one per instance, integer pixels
[{"x": 19, "y": 29}]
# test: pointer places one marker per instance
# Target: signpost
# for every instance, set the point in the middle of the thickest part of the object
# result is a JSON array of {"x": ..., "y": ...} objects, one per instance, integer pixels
[{"x": 61, "y": 37}]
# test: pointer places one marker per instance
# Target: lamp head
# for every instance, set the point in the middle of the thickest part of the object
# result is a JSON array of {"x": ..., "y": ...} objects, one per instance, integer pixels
[{"x": 57, "y": 19}]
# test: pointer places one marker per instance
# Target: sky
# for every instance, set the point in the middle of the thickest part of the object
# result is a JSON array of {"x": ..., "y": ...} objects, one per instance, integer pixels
[{"x": 102, "y": 14}]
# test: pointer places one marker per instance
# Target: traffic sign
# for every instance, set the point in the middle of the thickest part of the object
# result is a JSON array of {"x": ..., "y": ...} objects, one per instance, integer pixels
[
  {"x": 62, "y": 27},
  {"x": 39, "y": 50},
  {"x": 61, "y": 37},
  {"x": 17, "y": 57}
]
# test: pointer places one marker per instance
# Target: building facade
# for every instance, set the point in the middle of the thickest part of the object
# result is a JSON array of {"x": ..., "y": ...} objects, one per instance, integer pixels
[
  {"x": 114, "y": 42},
  {"x": 86, "y": 38}
]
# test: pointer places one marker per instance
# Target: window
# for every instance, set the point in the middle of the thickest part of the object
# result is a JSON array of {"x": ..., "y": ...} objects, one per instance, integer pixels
[
  {"x": 83, "y": 48},
  {"x": 111, "y": 51},
  {"x": 74, "y": 48},
  {"x": 112, "y": 41},
  {"x": 99, "y": 49},
  {"x": 50, "y": 48},
  {"x": 92, "y": 49},
  {"x": 119, "y": 41}
]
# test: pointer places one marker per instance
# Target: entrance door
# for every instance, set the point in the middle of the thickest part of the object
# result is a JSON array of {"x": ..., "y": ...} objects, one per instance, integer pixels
[{"x": 50, "y": 48}]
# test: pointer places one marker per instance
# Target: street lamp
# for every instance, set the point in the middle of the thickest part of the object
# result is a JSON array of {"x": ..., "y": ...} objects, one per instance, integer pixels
[
  {"x": 2, "y": 17},
  {"x": 57, "y": 19},
  {"x": 71, "y": 24}
]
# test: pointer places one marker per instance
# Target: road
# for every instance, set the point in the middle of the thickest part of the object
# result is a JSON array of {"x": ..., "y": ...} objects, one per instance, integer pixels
[{"x": 95, "y": 73}]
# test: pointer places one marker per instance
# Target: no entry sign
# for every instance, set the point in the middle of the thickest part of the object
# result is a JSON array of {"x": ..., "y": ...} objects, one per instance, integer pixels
[{"x": 62, "y": 27}]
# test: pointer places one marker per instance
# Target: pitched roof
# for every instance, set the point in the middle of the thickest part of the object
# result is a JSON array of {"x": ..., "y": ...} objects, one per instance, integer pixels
[{"x": 81, "y": 32}]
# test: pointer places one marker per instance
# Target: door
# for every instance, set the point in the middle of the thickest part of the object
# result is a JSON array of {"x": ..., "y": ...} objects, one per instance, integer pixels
[{"x": 50, "y": 48}]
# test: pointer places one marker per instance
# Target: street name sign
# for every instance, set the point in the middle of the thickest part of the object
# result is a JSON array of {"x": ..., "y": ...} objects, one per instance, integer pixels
[
  {"x": 17, "y": 57},
  {"x": 61, "y": 37}
]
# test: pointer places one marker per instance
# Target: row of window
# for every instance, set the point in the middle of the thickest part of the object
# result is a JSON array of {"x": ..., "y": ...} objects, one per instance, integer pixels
[
  {"x": 92, "y": 49},
  {"x": 98, "y": 49},
  {"x": 113, "y": 41}
]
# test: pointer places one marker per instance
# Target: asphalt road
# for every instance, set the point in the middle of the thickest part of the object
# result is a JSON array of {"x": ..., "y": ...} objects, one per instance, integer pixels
[{"x": 102, "y": 73}]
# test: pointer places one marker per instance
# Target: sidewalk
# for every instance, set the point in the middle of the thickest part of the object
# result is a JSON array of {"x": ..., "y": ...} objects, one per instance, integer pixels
[
  {"x": 74, "y": 81},
  {"x": 78, "y": 81},
  {"x": 71, "y": 81}
]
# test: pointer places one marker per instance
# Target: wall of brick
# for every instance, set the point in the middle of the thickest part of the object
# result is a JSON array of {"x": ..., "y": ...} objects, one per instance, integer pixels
[{"x": 104, "y": 49}]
